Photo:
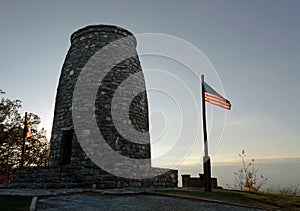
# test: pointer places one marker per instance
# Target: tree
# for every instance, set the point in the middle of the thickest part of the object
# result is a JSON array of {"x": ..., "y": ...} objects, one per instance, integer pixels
[
  {"x": 246, "y": 178},
  {"x": 11, "y": 139}
]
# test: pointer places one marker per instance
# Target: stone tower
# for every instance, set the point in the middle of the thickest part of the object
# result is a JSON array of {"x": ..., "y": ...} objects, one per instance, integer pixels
[
  {"x": 66, "y": 150},
  {"x": 71, "y": 145},
  {"x": 84, "y": 44}
]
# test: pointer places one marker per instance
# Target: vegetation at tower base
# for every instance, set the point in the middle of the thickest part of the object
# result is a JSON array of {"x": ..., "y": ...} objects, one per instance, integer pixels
[{"x": 11, "y": 139}]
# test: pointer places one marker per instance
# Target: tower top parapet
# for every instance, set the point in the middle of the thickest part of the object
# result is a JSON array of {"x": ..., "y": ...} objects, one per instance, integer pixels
[{"x": 102, "y": 29}]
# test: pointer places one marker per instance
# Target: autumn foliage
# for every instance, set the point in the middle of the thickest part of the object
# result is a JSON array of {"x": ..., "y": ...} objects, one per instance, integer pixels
[
  {"x": 247, "y": 178},
  {"x": 11, "y": 139}
]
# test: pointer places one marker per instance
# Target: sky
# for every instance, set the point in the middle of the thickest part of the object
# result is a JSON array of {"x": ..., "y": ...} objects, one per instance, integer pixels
[{"x": 254, "y": 47}]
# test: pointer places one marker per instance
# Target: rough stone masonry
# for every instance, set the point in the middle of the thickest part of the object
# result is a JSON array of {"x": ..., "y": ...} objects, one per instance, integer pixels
[{"x": 69, "y": 164}]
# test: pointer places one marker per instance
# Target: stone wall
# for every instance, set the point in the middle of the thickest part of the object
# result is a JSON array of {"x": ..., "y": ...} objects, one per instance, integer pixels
[{"x": 69, "y": 177}]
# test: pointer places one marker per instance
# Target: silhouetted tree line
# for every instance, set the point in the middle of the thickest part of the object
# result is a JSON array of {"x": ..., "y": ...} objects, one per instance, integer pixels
[{"x": 11, "y": 139}]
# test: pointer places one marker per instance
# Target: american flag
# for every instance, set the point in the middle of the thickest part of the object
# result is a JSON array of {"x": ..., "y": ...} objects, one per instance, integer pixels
[
  {"x": 213, "y": 97},
  {"x": 28, "y": 130}
]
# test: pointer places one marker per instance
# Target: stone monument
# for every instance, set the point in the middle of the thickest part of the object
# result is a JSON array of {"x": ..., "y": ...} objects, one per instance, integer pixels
[{"x": 69, "y": 164}]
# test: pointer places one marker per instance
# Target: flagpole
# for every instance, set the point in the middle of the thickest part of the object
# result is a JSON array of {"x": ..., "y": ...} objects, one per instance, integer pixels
[
  {"x": 206, "y": 158},
  {"x": 24, "y": 139}
]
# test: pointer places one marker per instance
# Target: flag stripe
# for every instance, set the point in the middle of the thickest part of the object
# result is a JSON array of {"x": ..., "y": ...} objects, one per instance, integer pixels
[
  {"x": 223, "y": 104},
  {"x": 216, "y": 101},
  {"x": 226, "y": 106},
  {"x": 214, "y": 97}
]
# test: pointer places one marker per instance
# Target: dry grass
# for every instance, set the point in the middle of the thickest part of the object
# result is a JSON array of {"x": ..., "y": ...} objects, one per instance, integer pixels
[{"x": 265, "y": 200}]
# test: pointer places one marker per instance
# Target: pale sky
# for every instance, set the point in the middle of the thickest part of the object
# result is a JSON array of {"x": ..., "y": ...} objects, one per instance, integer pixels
[{"x": 254, "y": 47}]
